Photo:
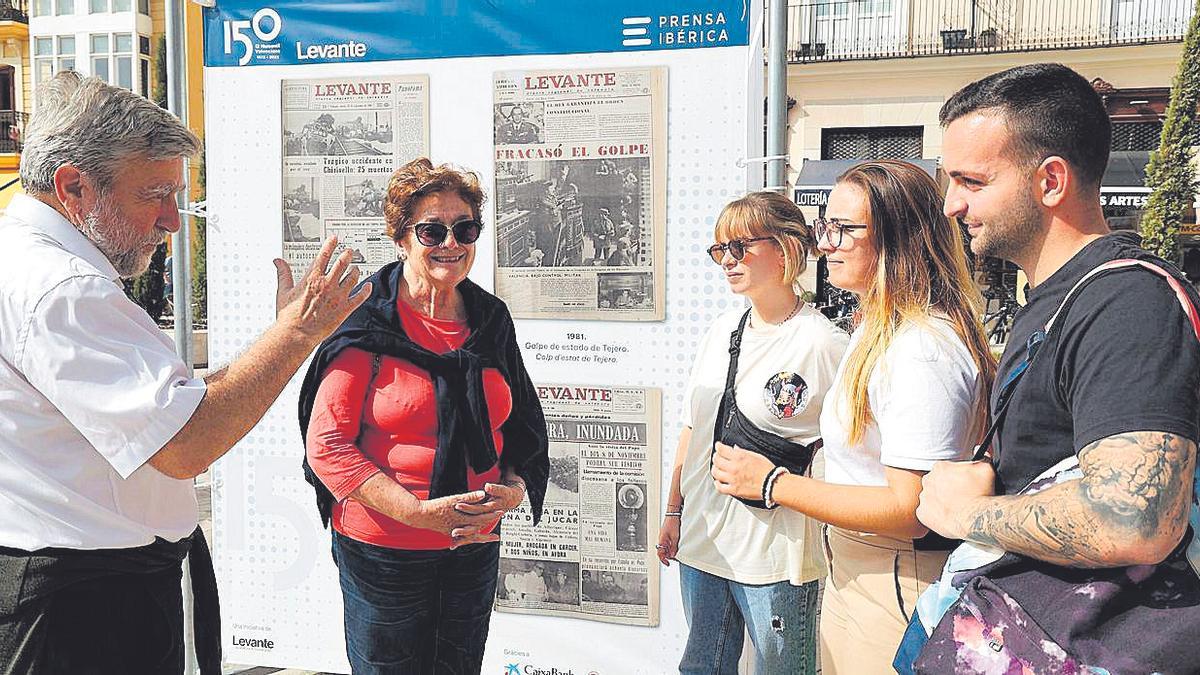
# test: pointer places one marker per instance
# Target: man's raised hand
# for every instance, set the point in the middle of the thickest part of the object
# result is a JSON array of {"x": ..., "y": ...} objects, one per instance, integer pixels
[{"x": 323, "y": 297}]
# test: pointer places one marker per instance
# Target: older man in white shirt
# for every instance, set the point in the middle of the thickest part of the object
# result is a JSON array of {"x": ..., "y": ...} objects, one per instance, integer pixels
[{"x": 101, "y": 428}]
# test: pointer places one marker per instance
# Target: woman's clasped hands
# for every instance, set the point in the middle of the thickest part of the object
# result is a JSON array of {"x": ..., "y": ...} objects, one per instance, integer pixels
[{"x": 473, "y": 518}]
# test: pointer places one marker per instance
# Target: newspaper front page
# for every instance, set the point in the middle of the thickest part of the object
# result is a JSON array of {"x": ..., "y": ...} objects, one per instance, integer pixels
[
  {"x": 581, "y": 193},
  {"x": 592, "y": 556},
  {"x": 342, "y": 139}
]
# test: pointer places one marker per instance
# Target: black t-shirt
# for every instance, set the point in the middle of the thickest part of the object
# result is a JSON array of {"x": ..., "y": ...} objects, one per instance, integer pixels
[{"x": 1124, "y": 358}]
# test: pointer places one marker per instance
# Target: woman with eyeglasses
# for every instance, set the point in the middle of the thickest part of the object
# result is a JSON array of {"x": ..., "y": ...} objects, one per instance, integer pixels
[
  {"x": 422, "y": 429},
  {"x": 911, "y": 390},
  {"x": 760, "y": 375}
]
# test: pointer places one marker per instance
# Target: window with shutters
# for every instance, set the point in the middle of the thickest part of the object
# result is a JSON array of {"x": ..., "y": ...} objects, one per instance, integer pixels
[
  {"x": 1136, "y": 135},
  {"x": 872, "y": 143}
]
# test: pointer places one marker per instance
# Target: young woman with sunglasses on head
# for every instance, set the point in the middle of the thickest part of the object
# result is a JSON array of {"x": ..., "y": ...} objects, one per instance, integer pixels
[
  {"x": 422, "y": 429},
  {"x": 745, "y": 566},
  {"x": 911, "y": 390}
]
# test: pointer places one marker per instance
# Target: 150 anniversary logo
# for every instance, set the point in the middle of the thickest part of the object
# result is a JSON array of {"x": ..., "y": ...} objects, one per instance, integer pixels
[{"x": 266, "y": 25}]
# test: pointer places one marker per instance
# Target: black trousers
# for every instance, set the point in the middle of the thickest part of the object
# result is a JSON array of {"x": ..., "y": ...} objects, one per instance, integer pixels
[
  {"x": 109, "y": 626},
  {"x": 110, "y": 612}
]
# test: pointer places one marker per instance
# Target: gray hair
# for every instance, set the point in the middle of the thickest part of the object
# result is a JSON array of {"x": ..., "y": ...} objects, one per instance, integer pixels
[{"x": 95, "y": 127}]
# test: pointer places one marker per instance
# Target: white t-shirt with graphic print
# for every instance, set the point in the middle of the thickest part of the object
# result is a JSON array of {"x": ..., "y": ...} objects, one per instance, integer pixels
[{"x": 783, "y": 375}]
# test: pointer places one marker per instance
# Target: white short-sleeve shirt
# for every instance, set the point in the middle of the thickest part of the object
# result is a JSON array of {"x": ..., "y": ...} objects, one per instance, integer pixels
[
  {"x": 924, "y": 395},
  {"x": 783, "y": 374},
  {"x": 90, "y": 388}
]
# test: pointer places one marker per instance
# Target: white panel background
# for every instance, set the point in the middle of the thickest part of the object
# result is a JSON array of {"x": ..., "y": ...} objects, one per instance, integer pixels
[{"x": 277, "y": 579}]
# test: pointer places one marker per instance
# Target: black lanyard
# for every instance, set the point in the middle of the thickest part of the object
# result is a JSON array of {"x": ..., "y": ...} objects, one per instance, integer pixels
[{"x": 1006, "y": 391}]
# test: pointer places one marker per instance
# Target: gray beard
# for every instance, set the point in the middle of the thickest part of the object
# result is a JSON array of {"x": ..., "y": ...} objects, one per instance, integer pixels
[{"x": 104, "y": 227}]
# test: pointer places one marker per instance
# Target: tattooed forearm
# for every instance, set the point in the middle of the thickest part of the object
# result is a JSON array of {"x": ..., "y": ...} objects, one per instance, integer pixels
[
  {"x": 1053, "y": 525},
  {"x": 1136, "y": 481},
  {"x": 1131, "y": 505}
]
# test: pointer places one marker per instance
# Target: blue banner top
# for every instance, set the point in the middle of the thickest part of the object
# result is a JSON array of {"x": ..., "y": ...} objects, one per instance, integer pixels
[{"x": 242, "y": 33}]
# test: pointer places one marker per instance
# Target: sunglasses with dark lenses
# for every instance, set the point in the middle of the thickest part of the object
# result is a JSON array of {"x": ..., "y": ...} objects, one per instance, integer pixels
[
  {"x": 434, "y": 234},
  {"x": 736, "y": 248}
]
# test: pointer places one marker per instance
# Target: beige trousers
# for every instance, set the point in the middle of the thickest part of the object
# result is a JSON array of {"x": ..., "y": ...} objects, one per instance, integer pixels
[{"x": 870, "y": 595}]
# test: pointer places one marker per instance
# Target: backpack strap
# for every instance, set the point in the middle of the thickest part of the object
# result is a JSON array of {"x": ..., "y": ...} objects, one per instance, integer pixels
[
  {"x": 1176, "y": 285},
  {"x": 1035, "y": 340}
]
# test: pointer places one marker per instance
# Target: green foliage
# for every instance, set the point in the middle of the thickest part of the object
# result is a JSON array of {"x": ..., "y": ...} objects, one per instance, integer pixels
[
  {"x": 1170, "y": 172},
  {"x": 200, "y": 257},
  {"x": 147, "y": 289},
  {"x": 160, "y": 72}
]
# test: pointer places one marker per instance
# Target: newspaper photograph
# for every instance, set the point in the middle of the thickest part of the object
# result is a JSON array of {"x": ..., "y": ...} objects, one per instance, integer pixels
[
  {"x": 592, "y": 555},
  {"x": 580, "y": 169},
  {"x": 342, "y": 139}
]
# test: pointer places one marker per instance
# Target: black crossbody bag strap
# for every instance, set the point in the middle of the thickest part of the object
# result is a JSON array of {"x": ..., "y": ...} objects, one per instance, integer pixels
[{"x": 735, "y": 350}]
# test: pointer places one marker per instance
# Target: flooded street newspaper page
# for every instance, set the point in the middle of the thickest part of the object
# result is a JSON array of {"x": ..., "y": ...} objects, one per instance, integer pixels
[
  {"x": 580, "y": 161},
  {"x": 342, "y": 139},
  {"x": 592, "y": 555}
]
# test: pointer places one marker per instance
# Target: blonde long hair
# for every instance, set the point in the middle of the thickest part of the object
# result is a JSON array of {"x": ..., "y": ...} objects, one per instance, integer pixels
[{"x": 921, "y": 270}]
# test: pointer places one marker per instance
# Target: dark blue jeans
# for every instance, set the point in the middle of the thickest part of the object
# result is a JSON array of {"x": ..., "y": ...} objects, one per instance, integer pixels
[{"x": 416, "y": 612}]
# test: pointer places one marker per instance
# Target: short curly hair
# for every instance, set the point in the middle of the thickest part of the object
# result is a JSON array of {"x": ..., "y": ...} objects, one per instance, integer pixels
[{"x": 419, "y": 178}]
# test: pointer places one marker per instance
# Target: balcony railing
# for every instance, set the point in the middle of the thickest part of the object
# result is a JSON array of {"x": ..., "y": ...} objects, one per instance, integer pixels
[
  {"x": 14, "y": 10},
  {"x": 12, "y": 128},
  {"x": 882, "y": 29}
]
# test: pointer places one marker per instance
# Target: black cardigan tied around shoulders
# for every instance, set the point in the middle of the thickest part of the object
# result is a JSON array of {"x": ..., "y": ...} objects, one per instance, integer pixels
[{"x": 464, "y": 430}]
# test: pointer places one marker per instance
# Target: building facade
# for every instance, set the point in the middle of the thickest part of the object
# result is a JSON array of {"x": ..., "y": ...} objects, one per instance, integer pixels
[
  {"x": 110, "y": 39},
  {"x": 15, "y": 91},
  {"x": 115, "y": 40}
]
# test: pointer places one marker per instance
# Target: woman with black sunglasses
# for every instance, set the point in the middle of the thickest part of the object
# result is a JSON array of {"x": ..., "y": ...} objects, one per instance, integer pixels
[
  {"x": 422, "y": 429},
  {"x": 745, "y": 567}
]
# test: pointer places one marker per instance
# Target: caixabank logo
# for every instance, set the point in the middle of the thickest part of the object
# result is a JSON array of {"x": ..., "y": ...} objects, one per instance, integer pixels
[{"x": 258, "y": 40}]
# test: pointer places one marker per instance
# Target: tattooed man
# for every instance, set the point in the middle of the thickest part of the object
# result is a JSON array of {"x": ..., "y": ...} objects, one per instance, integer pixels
[{"x": 1116, "y": 383}]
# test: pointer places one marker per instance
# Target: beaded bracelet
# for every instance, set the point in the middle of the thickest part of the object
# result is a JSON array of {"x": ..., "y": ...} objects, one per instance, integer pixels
[{"x": 768, "y": 488}]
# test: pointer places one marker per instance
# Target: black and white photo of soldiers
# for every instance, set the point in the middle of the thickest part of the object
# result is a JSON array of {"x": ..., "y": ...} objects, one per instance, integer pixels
[{"x": 574, "y": 213}]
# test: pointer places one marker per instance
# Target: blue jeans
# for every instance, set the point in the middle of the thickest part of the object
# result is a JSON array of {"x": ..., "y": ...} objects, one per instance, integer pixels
[
  {"x": 416, "y": 612},
  {"x": 781, "y": 619}
]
